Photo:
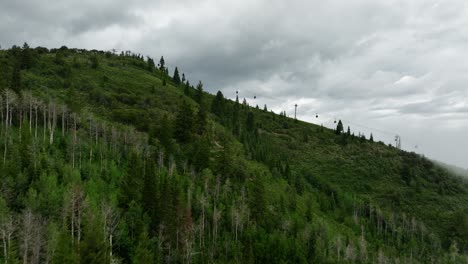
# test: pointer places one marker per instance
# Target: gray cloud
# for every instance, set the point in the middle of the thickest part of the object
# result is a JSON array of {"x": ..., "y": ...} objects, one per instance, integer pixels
[{"x": 399, "y": 66}]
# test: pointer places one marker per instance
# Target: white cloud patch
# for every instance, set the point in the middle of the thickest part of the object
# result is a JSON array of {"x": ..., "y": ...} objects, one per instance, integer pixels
[{"x": 399, "y": 66}]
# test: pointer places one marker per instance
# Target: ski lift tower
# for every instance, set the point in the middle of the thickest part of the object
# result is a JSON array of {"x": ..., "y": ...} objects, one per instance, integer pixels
[
  {"x": 398, "y": 142},
  {"x": 295, "y": 111}
]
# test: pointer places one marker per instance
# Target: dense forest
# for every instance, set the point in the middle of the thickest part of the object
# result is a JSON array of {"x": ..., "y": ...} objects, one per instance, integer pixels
[{"x": 107, "y": 157}]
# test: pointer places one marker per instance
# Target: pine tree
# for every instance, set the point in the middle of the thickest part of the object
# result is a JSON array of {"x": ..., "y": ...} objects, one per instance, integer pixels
[
  {"x": 250, "y": 122},
  {"x": 200, "y": 155},
  {"x": 184, "y": 123},
  {"x": 257, "y": 201},
  {"x": 217, "y": 106},
  {"x": 16, "y": 79},
  {"x": 144, "y": 252},
  {"x": 149, "y": 197},
  {"x": 339, "y": 128},
  {"x": 165, "y": 135},
  {"x": 151, "y": 64},
  {"x": 162, "y": 64},
  {"x": 199, "y": 93},
  {"x": 93, "y": 247},
  {"x": 235, "y": 117},
  {"x": 348, "y": 133},
  {"x": 371, "y": 138},
  {"x": 265, "y": 109},
  {"x": 26, "y": 57},
  {"x": 176, "y": 77},
  {"x": 187, "y": 89},
  {"x": 201, "y": 121}
]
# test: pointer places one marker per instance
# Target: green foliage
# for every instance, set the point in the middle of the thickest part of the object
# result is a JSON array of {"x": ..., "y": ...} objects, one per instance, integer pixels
[
  {"x": 199, "y": 93},
  {"x": 176, "y": 77},
  {"x": 162, "y": 64},
  {"x": 94, "y": 61},
  {"x": 117, "y": 168},
  {"x": 184, "y": 123},
  {"x": 339, "y": 128}
]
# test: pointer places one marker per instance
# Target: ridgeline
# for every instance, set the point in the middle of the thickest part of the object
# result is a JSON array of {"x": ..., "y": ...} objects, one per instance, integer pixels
[{"x": 106, "y": 158}]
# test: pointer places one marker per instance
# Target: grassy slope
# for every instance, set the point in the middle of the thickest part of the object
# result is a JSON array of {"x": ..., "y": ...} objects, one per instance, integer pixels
[{"x": 369, "y": 171}]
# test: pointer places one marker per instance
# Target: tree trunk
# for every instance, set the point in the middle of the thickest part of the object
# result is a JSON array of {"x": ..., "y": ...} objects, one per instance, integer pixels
[
  {"x": 35, "y": 124},
  {"x": 52, "y": 121},
  {"x": 30, "y": 114},
  {"x": 44, "y": 114},
  {"x": 7, "y": 101},
  {"x": 63, "y": 121}
]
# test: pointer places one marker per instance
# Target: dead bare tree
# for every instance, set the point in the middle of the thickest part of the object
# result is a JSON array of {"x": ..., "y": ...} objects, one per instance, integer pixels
[
  {"x": 74, "y": 210},
  {"x": 217, "y": 213},
  {"x": 52, "y": 121},
  {"x": 26, "y": 233},
  {"x": 44, "y": 117},
  {"x": 339, "y": 245},
  {"x": 111, "y": 220},
  {"x": 36, "y": 108},
  {"x": 10, "y": 97},
  {"x": 28, "y": 96},
  {"x": 204, "y": 204},
  {"x": 32, "y": 240},
  {"x": 350, "y": 253},
  {"x": 90, "y": 136},
  {"x": 38, "y": 240},
  {"x": 1, "y": 114},
  {"x": 7, "y": 230},
  {"x": 73, "y": 146},
  {"x": 63, "y": 109}
]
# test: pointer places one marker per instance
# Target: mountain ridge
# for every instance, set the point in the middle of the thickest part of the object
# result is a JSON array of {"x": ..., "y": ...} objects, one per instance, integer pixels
[{"x": 236, "y": 183}]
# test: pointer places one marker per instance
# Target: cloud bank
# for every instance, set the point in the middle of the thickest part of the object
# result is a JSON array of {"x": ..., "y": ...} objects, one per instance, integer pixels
[{"x": 386, "y": 67}]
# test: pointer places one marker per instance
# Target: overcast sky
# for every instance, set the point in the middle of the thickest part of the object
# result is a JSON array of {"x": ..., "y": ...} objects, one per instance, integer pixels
[{"x": 387, "y": 67}]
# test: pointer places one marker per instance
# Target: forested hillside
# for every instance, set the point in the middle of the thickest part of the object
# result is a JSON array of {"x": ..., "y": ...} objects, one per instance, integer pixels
[{"x": 108, "y": 158}]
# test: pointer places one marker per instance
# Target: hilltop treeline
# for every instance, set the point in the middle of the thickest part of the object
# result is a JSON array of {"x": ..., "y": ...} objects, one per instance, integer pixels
[{"x": 106, "y": 157}]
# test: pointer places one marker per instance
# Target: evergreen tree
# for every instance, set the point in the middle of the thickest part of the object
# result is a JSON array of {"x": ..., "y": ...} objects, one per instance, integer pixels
[
  {"x": 150, "y": 198},
  {"x": 187, "y": 89},
  {"x": 16, "y": 79},
  {"x": 257, "y": 201},
  {"x": 165, "y": 135},
  {"x": 164, "y": 82},
  {"x": 235, "y": 117},
  {"x": 93, "y": 247},
  {"x": 26, "y": 57},
  {"x": 217, "y": 106},
  {"x": 162, "y": 64},
  {"x": 348, "y": 133},
  {"x": 176, "y": 77},
  {"x": 199, "y": 93},
  {"x": 339, "y": 128},
  {"x": 143, "y": 253},
  {"x": 201, "y": 121},
  {"x": 184, "y": 123},
  {"x": 151, "y": 64},
  {"x": 200, "y": 155},
  {"x": 250, "y": 122},
  {"x": 371, "y": 138},
  {"x": 183, "y": 78},
  {"x": 265, "y": 109}
]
